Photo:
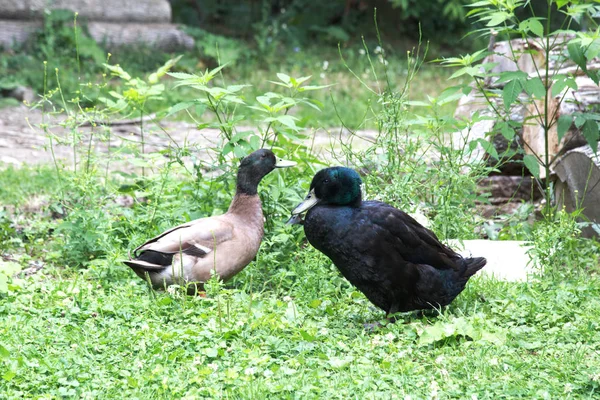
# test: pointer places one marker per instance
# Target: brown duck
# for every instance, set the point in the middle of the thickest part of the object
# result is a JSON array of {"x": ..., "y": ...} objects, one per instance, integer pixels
[{"x": 225, "y": 243}]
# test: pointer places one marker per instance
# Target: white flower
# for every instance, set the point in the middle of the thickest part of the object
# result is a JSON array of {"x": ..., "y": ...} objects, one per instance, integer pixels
[
  {"x": 325, "y": 65},
  {"x": 434, "y": 389},
  {"x": 439, "y": 360},
  {"x": 267, "y": 373},
  {"x": 213, "y": 366},
  {"x": 444, "y": 372},
  {"x": 390, "y": 336},
  {"x": 250, "y": 371},
  {"x": 287, "y": 298},
  {"x": 322, "y": 75},
  {"x": 493, "y": 361},
  {"x": 473, "y": 397},
  {"x": 362, "y": 52},
  {"x": 568, "y": 388},
  {"x": 376, "y": 340},
  {"x": 377, "y": 50},
  {"x": 324, "y": 331}
]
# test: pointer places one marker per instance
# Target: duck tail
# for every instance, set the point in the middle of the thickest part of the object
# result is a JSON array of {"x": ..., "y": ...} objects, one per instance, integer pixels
[{"x": 472, "y": 265}]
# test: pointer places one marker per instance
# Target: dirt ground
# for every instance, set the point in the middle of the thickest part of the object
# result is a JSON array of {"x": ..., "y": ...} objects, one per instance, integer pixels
[{"x": 24, "y": 141}]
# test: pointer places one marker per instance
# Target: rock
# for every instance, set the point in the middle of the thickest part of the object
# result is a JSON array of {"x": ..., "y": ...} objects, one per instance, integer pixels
[
  {"x": 578, "y": 185},
  {"x": 507, "y": 260},
  {"x": 512, "y": 161},
  {"x": 15, "y": 31},
  {"x": 23, "y": 94},
  {"x": 510, "y": 188},
  {"x": 162, "y": 36},
  {"x": 105, "y": 10}
]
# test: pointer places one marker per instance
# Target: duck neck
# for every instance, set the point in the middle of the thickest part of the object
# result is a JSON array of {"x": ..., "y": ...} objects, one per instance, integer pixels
[
  {"x": 247, "y": 207},
  {"x": 247, "y": 182}
]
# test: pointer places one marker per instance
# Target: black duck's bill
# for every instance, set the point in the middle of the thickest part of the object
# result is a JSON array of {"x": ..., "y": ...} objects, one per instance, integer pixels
[
  {"x": 281, "y": 163},
  {"x": 295, "y": 219},
  {"x": 309, "y": 202}
]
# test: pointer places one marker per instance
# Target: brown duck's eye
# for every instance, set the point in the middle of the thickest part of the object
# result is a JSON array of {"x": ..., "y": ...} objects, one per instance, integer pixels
[
  {"x": 264, "y": 155},
  {"x": 325, "y": 181}
]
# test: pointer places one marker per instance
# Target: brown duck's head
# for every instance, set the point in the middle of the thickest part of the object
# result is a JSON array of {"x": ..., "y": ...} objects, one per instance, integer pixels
[{"x": 255, "y": 167}]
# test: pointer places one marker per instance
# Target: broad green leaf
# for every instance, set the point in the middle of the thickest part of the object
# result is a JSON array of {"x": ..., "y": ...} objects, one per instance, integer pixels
[
  {"x": 594, "y": 75},
  {"x": 179, "y": 107},
  {"x": 236, "y": 88},
  {"x": 264, "y": 100},
  {"x": 301, "y": 80},
  {"x": 590, "y": 133},
  {"x": 506, "y": 130},
  {"x": 577, "y": 55},
  {"x": 288, "y": 121},
  {"x": 535, "y": 87},
  {"x": 511, "y": 76},
  {"x": 532, "y": 165},
  {"x": 228, "y": 148},
  {"x": 239, "y": 151},
  {"x": 536, "y": 27},
  {"x": 312, "y": 87},
  {"x": 284, "y": 78},
  {"x": 4, "y": 353},
  {"x": 497, "y": 18},
  {"x": 153, "y": 78},
  {"x": 563, "y": 125},
  {"x": 9, "y": 375},
  {"x": 254, "y": 142},
  {"x": 511, "y": 92},
  {"x": 579, "y": 120},
  {"x": 241, "y": 135},
  {"x": 181, "y": 75},
  {"x": 307, "y": 336},
  {"x": 489, "y": 148},
  {"x": 118, "y": 71},
  {"x": 560, "y": 82},
  {"x": 471, "y": 71}
]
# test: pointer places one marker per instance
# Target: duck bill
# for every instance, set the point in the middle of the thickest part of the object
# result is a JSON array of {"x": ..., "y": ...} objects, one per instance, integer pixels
[
  {"x": 295, "y": 219},
  {"x": 281, "y": 163},
  {"x": 309, "y": 202}
]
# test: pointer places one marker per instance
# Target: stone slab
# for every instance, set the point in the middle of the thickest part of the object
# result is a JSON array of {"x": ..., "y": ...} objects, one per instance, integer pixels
[
  {"x": 163, "y": 36},
  {"x": 105, "y": 10},
  {"x": 507, "y": 260}
]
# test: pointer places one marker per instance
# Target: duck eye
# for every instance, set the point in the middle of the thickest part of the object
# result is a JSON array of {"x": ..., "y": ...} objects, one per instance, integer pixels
[{"x": 325, "y": 181}]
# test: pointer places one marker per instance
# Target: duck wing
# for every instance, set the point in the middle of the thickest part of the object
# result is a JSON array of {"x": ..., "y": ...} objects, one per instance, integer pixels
[
  {"x": 196, "y": 238},
  {"x": 415, "y": 243}
]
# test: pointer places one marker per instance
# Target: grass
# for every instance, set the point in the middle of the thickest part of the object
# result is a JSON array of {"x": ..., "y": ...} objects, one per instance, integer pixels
[
  {"x": 100, "y": 333},
  {"x": 288, "y": 326}
]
